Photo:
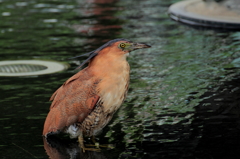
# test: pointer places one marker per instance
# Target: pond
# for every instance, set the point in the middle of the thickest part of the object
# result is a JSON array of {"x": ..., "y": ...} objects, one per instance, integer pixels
[{"x": 183, "y": 100}]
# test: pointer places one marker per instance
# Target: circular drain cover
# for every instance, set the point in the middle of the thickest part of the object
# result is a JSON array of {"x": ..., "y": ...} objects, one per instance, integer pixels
[{"x": 30, "y": 67}]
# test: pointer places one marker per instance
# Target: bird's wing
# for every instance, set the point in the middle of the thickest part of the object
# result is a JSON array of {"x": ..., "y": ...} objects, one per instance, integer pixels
[{"x": 72, "y": 102}]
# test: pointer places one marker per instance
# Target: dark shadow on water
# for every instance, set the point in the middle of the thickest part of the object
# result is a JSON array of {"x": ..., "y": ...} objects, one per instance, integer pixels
[
  {"x": 218, "y": 120},
  {"x": 213, "y": 133}
]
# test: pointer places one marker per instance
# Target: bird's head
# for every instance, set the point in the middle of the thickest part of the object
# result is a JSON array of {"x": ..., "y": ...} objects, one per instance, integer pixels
[
  {"x": 124, "y": 46},
  {"x": 114, "y": 47}
]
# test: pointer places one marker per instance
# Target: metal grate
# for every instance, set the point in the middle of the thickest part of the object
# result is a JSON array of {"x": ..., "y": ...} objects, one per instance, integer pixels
[
  {"x": 21, "y": 68},
  {"x": 17, "y": 68}
]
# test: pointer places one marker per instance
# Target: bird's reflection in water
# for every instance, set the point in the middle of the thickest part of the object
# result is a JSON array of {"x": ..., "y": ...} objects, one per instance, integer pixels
[{"x": 57, "y": 148}]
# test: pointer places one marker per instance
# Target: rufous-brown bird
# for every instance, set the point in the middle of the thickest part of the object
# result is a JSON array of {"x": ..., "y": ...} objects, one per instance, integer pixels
[{"x": 86, "y": 102}]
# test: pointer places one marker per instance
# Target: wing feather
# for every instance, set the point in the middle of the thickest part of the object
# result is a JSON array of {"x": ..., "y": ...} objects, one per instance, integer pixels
[{"x": 72, "y": 102}]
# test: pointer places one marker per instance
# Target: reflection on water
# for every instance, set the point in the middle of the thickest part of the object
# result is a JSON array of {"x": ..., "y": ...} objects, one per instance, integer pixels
[
  {"x": 183, "y": 100},
  {"x": 57, "y": 148}
]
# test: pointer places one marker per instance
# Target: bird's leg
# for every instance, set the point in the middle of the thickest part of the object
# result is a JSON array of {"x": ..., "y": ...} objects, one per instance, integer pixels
[
  {"x": 80, "y": 141},
  {"x": 94, "y": 141},
  {"x": 81, "y": 144}
]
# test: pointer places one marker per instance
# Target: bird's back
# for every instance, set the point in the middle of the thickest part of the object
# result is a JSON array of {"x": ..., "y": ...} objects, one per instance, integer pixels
[{"x": 72, "y": 102}]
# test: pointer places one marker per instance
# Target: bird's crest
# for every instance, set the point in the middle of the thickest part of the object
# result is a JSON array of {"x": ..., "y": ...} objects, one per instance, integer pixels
[{"x": 94, "y": 53}]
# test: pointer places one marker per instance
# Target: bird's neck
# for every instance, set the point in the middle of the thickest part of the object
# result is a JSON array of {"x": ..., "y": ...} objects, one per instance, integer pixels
[
  {"x": 109, "y": 65},
  {"x": 114, "y": 76}
]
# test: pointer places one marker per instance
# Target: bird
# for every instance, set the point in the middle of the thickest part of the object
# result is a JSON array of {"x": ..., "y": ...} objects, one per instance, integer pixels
[{"x": 87, "y": 101}]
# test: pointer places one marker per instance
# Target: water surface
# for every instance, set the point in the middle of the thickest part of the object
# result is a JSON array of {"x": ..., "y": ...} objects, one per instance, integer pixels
[{"x": 183, "y": 100}]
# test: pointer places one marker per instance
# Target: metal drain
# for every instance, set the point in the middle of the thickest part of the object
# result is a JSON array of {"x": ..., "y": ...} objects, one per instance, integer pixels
[
  {"x": 30, "y": 67},
  {"x": 21, "y": 68}
]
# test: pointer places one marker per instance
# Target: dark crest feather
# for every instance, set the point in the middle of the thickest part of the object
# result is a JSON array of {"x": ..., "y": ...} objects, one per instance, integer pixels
[{"x": 94, "y": 53}]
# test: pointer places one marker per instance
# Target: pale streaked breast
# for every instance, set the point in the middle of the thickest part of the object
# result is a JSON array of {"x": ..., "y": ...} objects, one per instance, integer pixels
[{"x": 115, "y": 90}]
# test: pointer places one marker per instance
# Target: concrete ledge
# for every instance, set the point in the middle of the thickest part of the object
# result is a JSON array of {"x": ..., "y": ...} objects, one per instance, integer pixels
[{"x": 206, "y": 14}]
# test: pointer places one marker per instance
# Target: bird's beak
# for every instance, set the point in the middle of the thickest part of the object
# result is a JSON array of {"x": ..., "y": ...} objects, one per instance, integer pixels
[{"x": 140, "y": 46}]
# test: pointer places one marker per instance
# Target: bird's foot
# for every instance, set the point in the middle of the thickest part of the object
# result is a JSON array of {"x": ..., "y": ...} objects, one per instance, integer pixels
[
  {"x": 97, "y": 145},
  {"x": 89, "y": 149},
  {"x": 82, "y": 146},
  {"x": 108, "y": 146}
]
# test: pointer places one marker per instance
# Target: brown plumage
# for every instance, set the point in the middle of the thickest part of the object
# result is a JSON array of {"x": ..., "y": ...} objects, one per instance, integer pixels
[{"x": 86, "y": 102}]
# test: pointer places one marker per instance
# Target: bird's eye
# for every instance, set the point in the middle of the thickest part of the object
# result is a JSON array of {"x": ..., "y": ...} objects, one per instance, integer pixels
[{"x": 122, "y": 45}]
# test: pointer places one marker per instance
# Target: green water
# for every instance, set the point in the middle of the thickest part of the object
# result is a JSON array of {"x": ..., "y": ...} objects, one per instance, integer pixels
[{"x": 183, "y": 100}]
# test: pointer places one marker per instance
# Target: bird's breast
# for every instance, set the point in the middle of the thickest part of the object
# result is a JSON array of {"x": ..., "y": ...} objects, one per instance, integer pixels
[{"x": 113, "y": 88}]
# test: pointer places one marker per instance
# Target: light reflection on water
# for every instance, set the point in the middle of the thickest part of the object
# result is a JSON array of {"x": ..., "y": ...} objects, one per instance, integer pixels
[{"x": 183, "y": 100}]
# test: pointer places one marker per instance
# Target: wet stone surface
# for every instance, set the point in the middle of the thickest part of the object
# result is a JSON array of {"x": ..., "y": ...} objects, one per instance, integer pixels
[{"x": 183, "y": 100}]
